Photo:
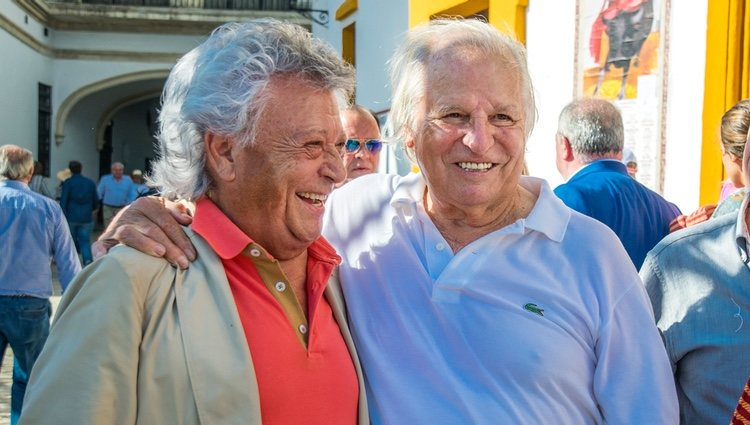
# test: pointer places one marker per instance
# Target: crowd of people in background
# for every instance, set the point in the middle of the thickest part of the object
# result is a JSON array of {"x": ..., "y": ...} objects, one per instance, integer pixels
[{"x": 299, "y": 285}]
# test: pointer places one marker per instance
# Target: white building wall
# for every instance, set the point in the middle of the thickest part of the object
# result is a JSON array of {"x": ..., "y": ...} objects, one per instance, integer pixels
[
  {"x": 21, "y": 71},
  {"x": 124, "y": 42},
  {"x": 24, "y": 68},
  {"x": 550, "y": 42},
  {"x": 687, "y": 64}
]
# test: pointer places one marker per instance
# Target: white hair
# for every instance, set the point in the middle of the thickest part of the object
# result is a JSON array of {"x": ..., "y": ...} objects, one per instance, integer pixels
[
  {"x": 593, "y": 127},
  {"x": 408, "y": 67},
  {"x": 218, "y": 88}
]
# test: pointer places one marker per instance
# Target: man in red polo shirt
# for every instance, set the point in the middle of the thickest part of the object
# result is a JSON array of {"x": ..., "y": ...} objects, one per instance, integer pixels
[{"x": 254, "y": 332}]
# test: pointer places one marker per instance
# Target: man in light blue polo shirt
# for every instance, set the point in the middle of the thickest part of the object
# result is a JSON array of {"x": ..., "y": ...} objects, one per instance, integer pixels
[
  {"x": 33, "y": 229},
  {"x": 115, "y": 191}
]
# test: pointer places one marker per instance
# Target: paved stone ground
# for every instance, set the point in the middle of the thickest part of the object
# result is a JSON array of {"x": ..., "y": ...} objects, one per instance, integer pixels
[{"x": 6, "y": 370}]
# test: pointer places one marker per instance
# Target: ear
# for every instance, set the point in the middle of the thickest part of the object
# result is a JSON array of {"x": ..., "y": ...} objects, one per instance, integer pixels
[
  {"x": 736, "y": 159},
  {"x": 564, "y": 149},
  {"x": 220, "y": 157}
]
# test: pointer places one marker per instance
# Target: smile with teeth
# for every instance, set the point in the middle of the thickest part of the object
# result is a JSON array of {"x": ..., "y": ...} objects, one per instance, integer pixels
[
  {"x": 313, "y": 198},
  {"x": 475, "y": 166}
]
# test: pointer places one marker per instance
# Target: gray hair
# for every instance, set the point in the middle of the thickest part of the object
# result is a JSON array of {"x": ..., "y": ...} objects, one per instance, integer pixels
[
  {"x": 409, "y": 63},
  {"x": 593, "y": 127},
  {"x": 218, "y": 88},
  {"x": 16, "y": 163}
]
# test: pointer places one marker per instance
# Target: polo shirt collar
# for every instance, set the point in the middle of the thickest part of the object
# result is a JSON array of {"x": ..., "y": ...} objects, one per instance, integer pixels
[
  {"x": 224, "y": 237},
  {"x": 549, "y": 215},
  {"x": 228, "y": 240}
]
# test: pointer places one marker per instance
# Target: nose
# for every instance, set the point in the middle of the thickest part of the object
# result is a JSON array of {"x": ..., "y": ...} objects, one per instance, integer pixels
[
  {"x": 333, "y": 167},
  {"x": 479, "y": 137},
  {"x": 362, "y": 151}
]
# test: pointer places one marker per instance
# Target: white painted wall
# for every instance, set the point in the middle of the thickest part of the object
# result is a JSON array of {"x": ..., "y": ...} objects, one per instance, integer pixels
[
  {"x": 160, "y": 43},
  {"x": 550, "y": 42},
  {"x": 23, "y": 68},
  {"x": 687, "y": 63},
  {"x": 21, "y": 71},
  {"x": 20, "y": 74}
]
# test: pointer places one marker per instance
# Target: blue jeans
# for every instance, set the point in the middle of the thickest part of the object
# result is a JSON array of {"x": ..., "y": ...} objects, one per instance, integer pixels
[
  {"x": 24, "y": 324},
  {"x": 81, "y": 233}
]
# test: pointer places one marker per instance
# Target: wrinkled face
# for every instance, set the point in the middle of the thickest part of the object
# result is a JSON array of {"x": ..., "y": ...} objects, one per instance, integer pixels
[
  {"x": 469, "y": 140},
  {"x": 285, "y": 177},
  {"x": 360, "y": 126},
  {"x": 117, "y": 171}
]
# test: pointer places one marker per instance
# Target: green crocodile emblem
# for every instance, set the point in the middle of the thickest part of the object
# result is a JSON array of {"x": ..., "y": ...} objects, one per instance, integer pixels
[{"x": 534, "y": 309}]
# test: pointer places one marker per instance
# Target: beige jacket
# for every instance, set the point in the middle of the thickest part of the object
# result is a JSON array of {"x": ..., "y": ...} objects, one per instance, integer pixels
[{"x": 136, "y": 341}]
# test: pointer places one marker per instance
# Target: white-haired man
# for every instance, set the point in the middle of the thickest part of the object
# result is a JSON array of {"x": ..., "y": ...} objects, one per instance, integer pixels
[
  {"x": 254, "y": 332},
  {"x": 588, "y": 148},
  {"x": 32, "y": 230},
  {"x": 475, "y": 295}
]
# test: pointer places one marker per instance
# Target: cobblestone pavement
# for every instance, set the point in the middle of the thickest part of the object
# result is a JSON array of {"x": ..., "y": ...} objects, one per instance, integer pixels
[{"x": 6, "y": 370}]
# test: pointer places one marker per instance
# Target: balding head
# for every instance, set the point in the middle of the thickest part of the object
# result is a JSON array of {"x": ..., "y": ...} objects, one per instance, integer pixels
[
  {"x": 16, "y": 163},
  {"x": 360, "y": 124},
  {"x": 588, "y": 130}
]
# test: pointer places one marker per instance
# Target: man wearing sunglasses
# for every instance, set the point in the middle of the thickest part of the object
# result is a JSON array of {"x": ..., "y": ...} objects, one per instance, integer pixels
[{"x": 361, "y": 151}]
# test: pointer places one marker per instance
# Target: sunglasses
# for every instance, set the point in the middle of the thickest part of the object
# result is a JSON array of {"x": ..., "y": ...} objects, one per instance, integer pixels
[{"x": 354, "y": 145}]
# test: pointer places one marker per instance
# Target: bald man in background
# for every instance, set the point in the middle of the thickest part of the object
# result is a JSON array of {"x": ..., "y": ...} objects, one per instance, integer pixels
[{"x": 361, "y": 152}]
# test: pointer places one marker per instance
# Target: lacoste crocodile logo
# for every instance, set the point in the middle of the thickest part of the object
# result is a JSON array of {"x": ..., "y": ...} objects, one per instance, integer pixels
[{"x": 534, "y": 309}]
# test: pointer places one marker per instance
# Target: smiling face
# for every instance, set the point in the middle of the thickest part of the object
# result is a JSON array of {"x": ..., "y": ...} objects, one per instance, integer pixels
[
  {"x": 469, "y": 140},
  {"x": 361, "y": 126},
  {"x": 279, "y": 184}
]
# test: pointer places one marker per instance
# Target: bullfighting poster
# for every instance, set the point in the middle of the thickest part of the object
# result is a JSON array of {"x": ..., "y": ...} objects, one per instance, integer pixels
[{"x": 620, "y": 56}]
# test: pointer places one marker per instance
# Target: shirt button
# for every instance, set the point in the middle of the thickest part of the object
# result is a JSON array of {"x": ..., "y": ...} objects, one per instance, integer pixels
[
  {"x": 303, "y": 329},
  {"x": 255, "y": 252},
  {"x": 280, "y": 286},
  {"x": 440, "y": 246}
]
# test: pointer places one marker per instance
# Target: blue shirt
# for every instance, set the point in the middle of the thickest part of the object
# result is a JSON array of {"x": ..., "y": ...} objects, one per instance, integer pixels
[
  {"x": 699, "y": 282},
  {"x": 639, "y": 216},
  {"x": 115, "y": 194},
  {"x": 32, "y": 230},
  {"x": 79, "y": 199},
  {"x": 542, "y": 321}
]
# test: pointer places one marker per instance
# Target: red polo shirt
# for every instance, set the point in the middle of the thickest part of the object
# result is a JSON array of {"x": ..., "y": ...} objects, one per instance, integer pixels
[{"x": 304, "y": 371}]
